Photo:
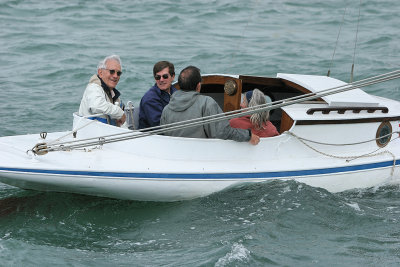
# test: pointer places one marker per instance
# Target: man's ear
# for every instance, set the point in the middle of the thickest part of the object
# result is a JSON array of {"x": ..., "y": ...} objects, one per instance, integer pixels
[{"x": 198, "y": 87}]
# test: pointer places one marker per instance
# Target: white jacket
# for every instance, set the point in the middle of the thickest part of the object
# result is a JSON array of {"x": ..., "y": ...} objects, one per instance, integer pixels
[{"x": 96, "y": 101}]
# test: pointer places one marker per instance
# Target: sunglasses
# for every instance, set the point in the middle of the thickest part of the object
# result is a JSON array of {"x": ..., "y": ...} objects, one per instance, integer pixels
[
  {"x": 158, "y": 77},
  {"x": 113, "y": 71}
]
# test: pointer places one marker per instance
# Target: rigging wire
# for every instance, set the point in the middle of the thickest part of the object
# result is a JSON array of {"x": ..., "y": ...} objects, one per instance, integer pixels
[
  {"x": 355, "y": 43},
  {"x": 337, "y": 40},
  {"x": 43, "y": 147},
  {"x": 236, "y": 50},
  {"x": 267, "y": 106},
  {"x": 251, "y": 110}
]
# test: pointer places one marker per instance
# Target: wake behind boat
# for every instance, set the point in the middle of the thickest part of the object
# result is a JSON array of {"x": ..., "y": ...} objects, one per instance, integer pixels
[{"x": 333, "y": 135}]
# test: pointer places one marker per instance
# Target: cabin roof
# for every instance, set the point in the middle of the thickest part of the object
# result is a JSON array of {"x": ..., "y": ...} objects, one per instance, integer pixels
[{"x": 355, "y": 97}]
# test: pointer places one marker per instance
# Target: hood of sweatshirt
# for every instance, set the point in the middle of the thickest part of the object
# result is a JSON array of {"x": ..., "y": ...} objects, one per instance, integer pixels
[{"x": 182, "y": 100}]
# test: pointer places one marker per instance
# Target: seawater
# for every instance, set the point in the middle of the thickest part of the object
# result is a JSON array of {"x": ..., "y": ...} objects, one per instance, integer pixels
[{"x": 49, "y": 50}]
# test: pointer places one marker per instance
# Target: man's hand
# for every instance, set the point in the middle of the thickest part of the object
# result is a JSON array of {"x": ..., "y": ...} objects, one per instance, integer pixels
[
  {"x": 121, "y": 120},
  {"x": 254, "y": 140}
]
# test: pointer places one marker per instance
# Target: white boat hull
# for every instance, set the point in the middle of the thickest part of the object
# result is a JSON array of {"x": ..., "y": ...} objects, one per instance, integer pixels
[
  {"x": 161, "y": 168},
  {"x": 174, "y": 189}
]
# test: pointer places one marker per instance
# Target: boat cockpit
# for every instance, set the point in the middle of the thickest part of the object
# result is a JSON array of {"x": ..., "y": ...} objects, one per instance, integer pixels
[
  {"x": 350, "y": 106},
  {"x": 227, "y": 91}
]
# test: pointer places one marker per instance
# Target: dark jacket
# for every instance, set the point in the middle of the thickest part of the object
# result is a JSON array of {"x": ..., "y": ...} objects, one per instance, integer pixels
[
  {"x": 190, "y": 105},
  {"x": 152, "y": 105}
]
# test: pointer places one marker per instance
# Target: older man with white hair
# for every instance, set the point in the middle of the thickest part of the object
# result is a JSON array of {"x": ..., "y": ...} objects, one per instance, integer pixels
[{"x": 101, "y": 98}]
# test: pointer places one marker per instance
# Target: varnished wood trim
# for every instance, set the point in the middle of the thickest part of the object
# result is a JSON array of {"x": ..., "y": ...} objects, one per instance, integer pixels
[
  {"x": 215, "y": 79},
  {"x": 262, "y": 80},
  {"x": 286, "y": 122},
  {"x": 294, "y": 85},
  {"x": 232, "y": 102},
  {"x": 300, "y": 88}
]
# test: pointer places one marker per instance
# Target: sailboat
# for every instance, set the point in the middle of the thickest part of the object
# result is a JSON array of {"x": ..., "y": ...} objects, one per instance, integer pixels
[{"x": 333, "y": 135}]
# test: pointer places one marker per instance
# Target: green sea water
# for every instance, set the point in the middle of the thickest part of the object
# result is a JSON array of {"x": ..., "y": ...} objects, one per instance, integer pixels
[{"x": 49, "y": 50}]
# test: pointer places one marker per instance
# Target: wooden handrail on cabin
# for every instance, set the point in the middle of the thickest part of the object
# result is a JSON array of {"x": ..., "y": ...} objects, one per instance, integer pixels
[{"x": 342, "y": 110}]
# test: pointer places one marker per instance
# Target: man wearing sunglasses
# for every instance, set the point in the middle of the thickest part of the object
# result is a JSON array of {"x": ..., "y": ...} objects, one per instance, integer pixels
[
  {"x": 158, "y": 96},
  {"x": 101, "y": 98}
]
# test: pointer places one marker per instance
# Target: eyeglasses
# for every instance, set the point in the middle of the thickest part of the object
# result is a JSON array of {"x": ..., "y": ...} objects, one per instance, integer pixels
[
  {"x": 113, "y": 71},
  {"x": 158, "y": 77}
]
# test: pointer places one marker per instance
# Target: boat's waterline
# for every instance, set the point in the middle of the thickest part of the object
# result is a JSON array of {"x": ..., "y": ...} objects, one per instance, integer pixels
[{"x": 182, "y": 186}]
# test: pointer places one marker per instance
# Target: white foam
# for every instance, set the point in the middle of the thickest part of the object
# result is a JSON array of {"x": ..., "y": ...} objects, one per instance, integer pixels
[
  {"x": 238, "y": 253},
  {"x": 354, "y": 206}
]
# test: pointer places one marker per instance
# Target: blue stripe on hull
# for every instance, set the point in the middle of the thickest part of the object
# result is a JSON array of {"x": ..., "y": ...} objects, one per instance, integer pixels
[{"x": 205, "y": 176}]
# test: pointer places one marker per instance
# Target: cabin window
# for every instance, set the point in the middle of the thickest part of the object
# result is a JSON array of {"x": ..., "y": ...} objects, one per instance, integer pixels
[{"x": 383, "y": 134}]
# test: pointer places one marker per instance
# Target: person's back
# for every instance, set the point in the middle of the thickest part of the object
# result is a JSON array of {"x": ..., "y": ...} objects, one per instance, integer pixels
[
  {"x": 184, "y": 106},
  {"x": 187, "y": 104}
]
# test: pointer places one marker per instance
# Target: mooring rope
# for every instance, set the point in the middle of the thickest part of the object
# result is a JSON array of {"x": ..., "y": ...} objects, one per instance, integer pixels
[
  {"x": 350, "y": 158},
  {"x": 344, "y": 144},
  {"x": 54, "y": 146}
]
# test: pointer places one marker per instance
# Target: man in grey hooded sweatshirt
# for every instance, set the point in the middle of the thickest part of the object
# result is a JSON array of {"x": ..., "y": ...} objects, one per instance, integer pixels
[{"x": 188, "y": 103}]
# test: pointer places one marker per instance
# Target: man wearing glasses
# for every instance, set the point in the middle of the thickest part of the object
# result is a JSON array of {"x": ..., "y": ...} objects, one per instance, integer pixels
[
  {"x": 158, "y": 96},
  {"x": 101, "y": 98}
]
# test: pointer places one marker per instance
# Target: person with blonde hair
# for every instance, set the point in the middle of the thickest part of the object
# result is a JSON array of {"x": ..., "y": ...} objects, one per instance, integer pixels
[{"x": 258, "y": 123}]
